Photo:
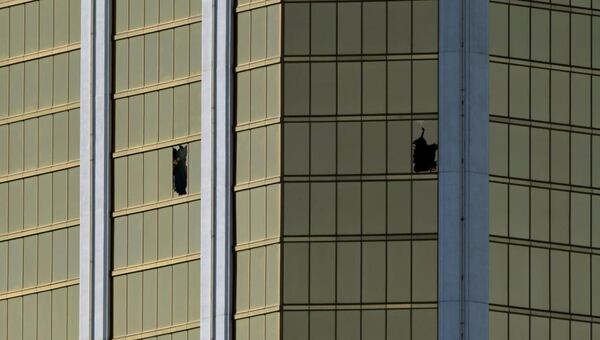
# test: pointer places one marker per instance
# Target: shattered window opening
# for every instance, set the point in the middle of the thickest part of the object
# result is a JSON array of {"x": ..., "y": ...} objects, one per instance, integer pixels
[
  {"x": 180, "y": 170},
  {"x": 424, "y": 154}
]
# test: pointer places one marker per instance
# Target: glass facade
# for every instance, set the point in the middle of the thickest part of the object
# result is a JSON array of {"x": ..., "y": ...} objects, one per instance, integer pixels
[
  {"x": 336, "y": 236},
  {"x": 39, "y": 169},
  {"x": 156, "y": 170},
  {"x": 545, "y": 170}
]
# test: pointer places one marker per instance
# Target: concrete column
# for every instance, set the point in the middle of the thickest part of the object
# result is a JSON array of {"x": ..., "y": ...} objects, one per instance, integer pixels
[
  {"x": 216, "y": 171},
  {"x": 464, "y": 196},
  {"x": 95, "y": 147}
]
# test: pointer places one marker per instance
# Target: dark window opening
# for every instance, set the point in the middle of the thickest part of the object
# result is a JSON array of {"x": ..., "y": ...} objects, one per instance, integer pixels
[
  {"x": 424, "y": 155},
  {"x": 180, "y": 170}
]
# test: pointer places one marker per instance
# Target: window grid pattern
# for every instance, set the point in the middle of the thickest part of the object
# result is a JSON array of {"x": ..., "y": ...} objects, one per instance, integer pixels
[
  {"x": 544, "y": 167},
  {"x": 326, "y": 200},
  {"x": 156, "y": 109},
  {"x": 39, "y": 169}
]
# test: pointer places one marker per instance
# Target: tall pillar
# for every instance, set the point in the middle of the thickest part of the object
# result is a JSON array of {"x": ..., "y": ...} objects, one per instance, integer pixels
[{"x": 463, "y": 252}]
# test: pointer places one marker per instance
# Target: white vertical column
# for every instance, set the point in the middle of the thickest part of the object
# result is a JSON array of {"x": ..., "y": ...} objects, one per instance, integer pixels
[
  {"x": 216, "y": 185},
  {"x": 464, "y": 196},
  {"x": 95, "y": 146}
]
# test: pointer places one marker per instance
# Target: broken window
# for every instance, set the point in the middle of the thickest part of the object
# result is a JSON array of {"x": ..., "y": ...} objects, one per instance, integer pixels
[
  {"x": 180, "y": 169},
  {"x": 424, "y": 154}
]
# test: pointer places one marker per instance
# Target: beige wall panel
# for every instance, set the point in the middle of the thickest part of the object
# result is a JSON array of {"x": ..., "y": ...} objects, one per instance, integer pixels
[
  {"x": 136, "y": 121},
  {"x": 242, "y": 282},
  {"x": 399, "y": 207},
  {"x": 195, "y": 54},
  {"x": 165, "y": 57},
  {"x": 195, "y": 107},
  {"x": 74, "y": 64},
  {"x": 134, "y": 239},
  {"x": 59, "y": 313},
  {"x": 3, "y": 208},
  {"x": 258, "y": 86},
  {"x": 73, "y": 313},
  {"x": 149, "y": 302},
  {"x": 322, "y": 208},
  {"x": 45, "y": 128},
  {"x": 121, "y": 62},
  {"x": 349, "y": 14},
  {"x": 45, "y": 199},
  {"x": 16, "y": 143},
  {"x": 165, "y": 233},
  {"x": 150, "y": 233},
  {"x": 136, "y": 61},
  {"x": 3, "y": 266},
  {"x": 73, "y": 253},
  {"x": 181, "y": 8},
  {"x": 243, "y": 37},
  {"x": 31, "y": 315},
  {"x": 61, "y": 137},
  {"x": 3, "y": 316},
  {"x": 30, "y": 261},
  {"x": 180, "y": 229},
  {"x": 59, "y": 255},
  {"x": 136, "y": 14},
  {"x": 272, "y": 279},
  {"x": 4, "y": 86},
  {"x": 15, "y": 264},
  {"x": 61, "y": 22},
  {"x": 61, "y": 86},
  {"x": 166, "y": 10},
  {"x": 194, "y": 161},
  {"x": 257, "y": 277},
  {"x": 181, "y": 111},
  {"x": 373, "y": 324},
  {"x": 121, "y": 125},
  {"x": 45, "y": 258},
  {"x": 121, "y": 16},
  {"x": 151, "y": 118},
  {"x": 120, "y": 183},
  {"x": 258, "y": 34},
  {"x": 165, "y": 114},
  {"x": 45, "y": 308},
  {"x": 273, "y": 211},
  {"x": 120, "y": 242},
  {"x": 74, "y": 20},
  {"x": 135, "y": 180},
  {"x": 46, "y": 84},
  {"x": 194, "y": 227},
  {"x": 59, "y": 196},
  {"x": 424, "y": 325},
  {"x": 15, "y": 319},
  {"x": 4, "y": 132},
  {"x": 4, "y": 33},
  {"x": 258, "y": 140},
  {"x": 15, "y": 206},
  {"x": 151, "y": 58},
  {"x": 30, "y": 199},
  {"x": 242, "y": 172},
  {"x": 73, "y": 194},
  {"x": 31, "y": 144},
  {"x": 134, "y": 302},
  {"x": 180, "y": 293},
  {"x": 398, "y": 265},
  {"x": 195, "y": 9},
  {"x": 17, "y": 30},
  {"x": 374, "y": 27},
  {"x": 424, "y": 271},
  {"x": 257, "y": 327},
  {"x": 31, "y": 86},
  {"x": 373, "y": 208},
  {"x": 322, "y": 89},
  {"x": 150, "y": 176},
  {"x": 165, "y": 291},
  {"x": 150, "y": 12},
  {"x": 580, "y": 283},
  {"x": 182, "y": 51},
  {"x": 242, "y": 216},
  {"x": 119, "y": 309}
]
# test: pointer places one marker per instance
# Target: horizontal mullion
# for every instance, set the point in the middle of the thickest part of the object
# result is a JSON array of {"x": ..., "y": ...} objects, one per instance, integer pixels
[
  {"x": 39, "y": 229},
  {"x": 39, "y": 289},
  {"x": 156, "y": 205},
  {"x": 39, "y": 171},
  {"x": 156, "y": 146},
  {"x": 40, "y": 54},
  {"x": 157, "y": 86},
  {"x": 158, "y": 27},
  {"x": 544, "y": 65},
  {"x": 544, "y": 184},
  {"x": 39, "y": 113},
  {"x": 156, "y": 264},
  {"x": 256, "y": 4},
  {"x": 160, "y": 331}
]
